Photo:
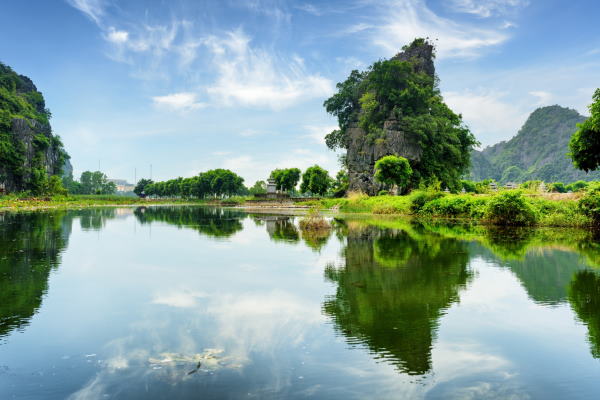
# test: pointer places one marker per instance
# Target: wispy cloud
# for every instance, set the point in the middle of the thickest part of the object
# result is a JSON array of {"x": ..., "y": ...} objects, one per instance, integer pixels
[
  {"x": 543, "y": 97},
  {"x": 310, "y": 8},
  {"x": 489, "y": 114},
  {"x": 93, "y": 9},
  {"x": 400, "y": 21},
  {"x": 183, "y": 101},
  {"x": 485, "y": 8},
  {"x": 317, "y": 133},
  {"x": 251, "y": 76}
]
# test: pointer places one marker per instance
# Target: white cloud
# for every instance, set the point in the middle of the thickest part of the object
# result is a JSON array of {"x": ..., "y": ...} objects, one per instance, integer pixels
[
  {"x": 253, "y": 77},
  {"x": 93, "y": 9},
  {"x": 317, "y": 133},
  {"x": 403, "y": 20},
  {"x": 489, "y": 115},
  {"x": 116, "y": 36},
  {"x": 183, "y": 101},
  {"x": 544, "y": 98},
  {"x": 485, "y": 8}
]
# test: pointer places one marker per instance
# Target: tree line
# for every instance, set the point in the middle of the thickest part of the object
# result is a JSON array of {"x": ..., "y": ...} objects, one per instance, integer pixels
[{"x": 220, "y": 183}]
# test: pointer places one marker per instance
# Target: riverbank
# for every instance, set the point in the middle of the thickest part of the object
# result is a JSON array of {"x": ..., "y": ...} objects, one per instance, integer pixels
[
  {"x": 15, "y": 203},
  {"x": 512, "y": 207}
]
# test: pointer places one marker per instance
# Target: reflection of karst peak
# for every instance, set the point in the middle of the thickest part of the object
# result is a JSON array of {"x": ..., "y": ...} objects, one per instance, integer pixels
[
  {"x": 392, "y": 291},
  {"x": 30, "y": 247}
]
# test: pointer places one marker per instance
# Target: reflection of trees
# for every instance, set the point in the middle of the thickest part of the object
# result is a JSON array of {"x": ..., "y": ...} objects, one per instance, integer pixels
[
  {"x": 584, "y": 296},
  {"x": 30, "y": 246},
  {"x": 214, "y": 222},
  {"x": 546, "y": 274},
  {"x": 95, "y": 218},
  {"x": 280, "y": 228},
  {"x": 392, "y": 291}
]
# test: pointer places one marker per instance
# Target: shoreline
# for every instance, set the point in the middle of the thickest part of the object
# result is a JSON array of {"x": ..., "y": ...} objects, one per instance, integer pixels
[{"x": 551, "y": 210}]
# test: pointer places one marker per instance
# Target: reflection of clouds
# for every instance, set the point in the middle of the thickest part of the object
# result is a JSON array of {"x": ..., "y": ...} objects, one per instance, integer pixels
[
  {"x": 92, "y": 390},
  {"x": 262, "y": 321},
  {"x": 243, "y": 325},
  {"x": 181, "y": 298}
]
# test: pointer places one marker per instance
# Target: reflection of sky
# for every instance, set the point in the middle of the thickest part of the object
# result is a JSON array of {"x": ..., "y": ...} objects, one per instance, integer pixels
[{"x": 128, "y": 293}]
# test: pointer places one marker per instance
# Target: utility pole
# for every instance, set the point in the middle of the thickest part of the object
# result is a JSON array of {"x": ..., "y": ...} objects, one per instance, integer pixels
[{"x": 98, "y": 165}]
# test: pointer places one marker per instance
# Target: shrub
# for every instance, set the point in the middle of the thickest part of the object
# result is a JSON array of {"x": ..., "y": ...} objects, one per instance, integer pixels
[
  {"x": 469, "y": 186},
  {"x": 421, "y": 197},
  {"x": 589, "y": 205},
  {"x": 510, "y": 208},
  {"x": 313, "y": 221},
  {"x": 446, "y": 206},
  {"x": 383, "y": 193}
]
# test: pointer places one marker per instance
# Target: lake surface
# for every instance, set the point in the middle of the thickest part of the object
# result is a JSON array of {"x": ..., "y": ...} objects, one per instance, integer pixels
[{"x": 193, "y": 302}]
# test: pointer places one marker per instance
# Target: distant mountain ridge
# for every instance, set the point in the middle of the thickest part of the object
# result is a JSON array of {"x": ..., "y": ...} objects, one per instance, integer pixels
[{"x": 538, "y": 151}]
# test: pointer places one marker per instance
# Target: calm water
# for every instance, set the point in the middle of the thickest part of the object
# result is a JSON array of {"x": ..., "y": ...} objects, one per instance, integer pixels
[{"x": 191, "y": 302}]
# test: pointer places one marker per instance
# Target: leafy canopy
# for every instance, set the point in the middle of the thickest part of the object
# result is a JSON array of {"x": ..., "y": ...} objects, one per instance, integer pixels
[
  {"x": 393, "y": 170},
  {"x": 585, "y": 142},
  {"x": 315, "y": 180},
  {"x": 286, "y": 179}
]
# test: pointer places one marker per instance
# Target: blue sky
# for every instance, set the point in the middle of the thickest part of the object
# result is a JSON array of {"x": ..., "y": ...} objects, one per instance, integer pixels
[{"x": 189, "y": 85}]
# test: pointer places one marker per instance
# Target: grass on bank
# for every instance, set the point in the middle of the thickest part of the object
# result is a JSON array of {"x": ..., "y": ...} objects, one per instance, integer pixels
[{"x": 507, "y": 207}]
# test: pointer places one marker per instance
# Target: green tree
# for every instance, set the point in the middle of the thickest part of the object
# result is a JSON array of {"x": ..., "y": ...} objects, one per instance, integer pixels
[
  {"x": 286, "y": 179},
  {"x": 585, "y": 142},
  {"x": 259, "y": 187},
  {"x": 140, "y": 187},
  {"x": 340, "y": 185},
  {"x": 96, "y": 183},
  {"x": 393, "y": 170},
  {"x": 315, "y": 180}
]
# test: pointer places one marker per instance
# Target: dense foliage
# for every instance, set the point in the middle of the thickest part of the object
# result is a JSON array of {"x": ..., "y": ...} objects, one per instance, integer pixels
[
  {"x": 22, "y": 168},
  {"x": 590, "y": 205},
  {"x": 90, "y": 183},
  {"x": 585, "y": 143},
  {"x": 395, "y": 89},
  {"x": 286, "y": 179},
  {"x": 537, "y": 152},
  {"x": 212, "y": 183},
  {"x": 315, "y": 180},
  {"x": 393, "y": 170}
]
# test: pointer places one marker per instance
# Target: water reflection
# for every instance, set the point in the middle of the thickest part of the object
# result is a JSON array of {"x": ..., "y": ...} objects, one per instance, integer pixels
[
  {"x": 391, "y": 291},
  {"x": 30, "y": 247},
  {"x": 213, "y": 222},
  {"x": 584, "y": 296}
]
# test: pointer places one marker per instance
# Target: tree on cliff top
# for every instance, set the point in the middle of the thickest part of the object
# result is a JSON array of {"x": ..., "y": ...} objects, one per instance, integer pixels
[
  {"x": 585, "y": 143},
  {"x": 405, "y": 89}
]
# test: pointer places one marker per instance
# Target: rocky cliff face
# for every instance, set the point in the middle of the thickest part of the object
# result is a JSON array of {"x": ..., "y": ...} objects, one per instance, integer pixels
[
  {"x": 29, "y": 152},
  {"x": 362, "y": 152}
]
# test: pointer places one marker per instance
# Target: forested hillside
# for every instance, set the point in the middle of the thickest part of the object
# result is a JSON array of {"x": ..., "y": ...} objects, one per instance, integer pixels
[
  {"x": 29, "y": 153},
  {"x": 538, "y": 151}
]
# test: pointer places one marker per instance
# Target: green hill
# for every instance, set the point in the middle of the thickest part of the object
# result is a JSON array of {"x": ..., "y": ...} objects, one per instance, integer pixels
[
  {"x": 29, "y": 152},
  {"x": 538, "y": 151}
]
